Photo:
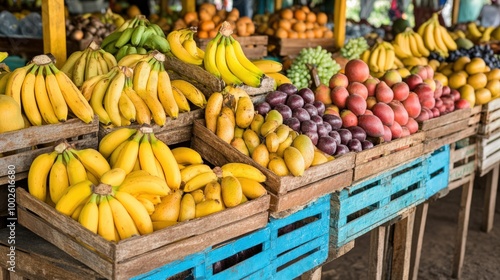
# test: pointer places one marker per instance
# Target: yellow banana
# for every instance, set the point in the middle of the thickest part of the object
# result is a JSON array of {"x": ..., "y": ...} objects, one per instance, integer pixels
[
  {"x": 438, "y": 38},
  {"x": 76, "y": 170},
  {"x": 187, "y": 208},
  {"x": 142, "y": 112},
  {"x": 89, "y": 85},
  {"x": 428, "y": 36},
  {"x": 400, "y": 52},
  {"x": 137, "y": 211},
  {"x": 122, "y": 219},
  {"x": 447, "y": 40},
  {"x": 106, "y": 226},
  {"x": 374, "y": 58},
  {"x": 246, "y": 75},
  {"x": 169, "y": 207},
  {"x": 102, "y": 64},
  {"x": 140, "y": 77},
  {"x": 112, "y": 97},
  {"x": 54, "y": 91},
  {"x": 92, "y": 67},
  {"x": 15, "y": 82},
  {"x": 213, "y": 109},
  {"x": 165, "y": 94},
  {"x": 145, "y": 184},
  {"x": 237, "y": 169},
  {"x": 208, "y": 207},
  {"x": 279, "y": 79},
  {"x": 116, "y": 153},
  {"x": 390, "y": 57},
  {"x": 58, "y": 179},
  {"x": 28, "y": 98},
  {"x": 168, "y": 163},
  {"x": 128, "y": 155},
  {"x": 43, "y": 101},
  {"x": 75, "y": 195},
  {"x": 89, "y": 216},
  {"x": 473, "y": 31},
  {"x": 147, "y": 204},
  {"x": 189, "y": 172},
  {"x": 131, "y": 60},
  {"x": 365, "y": 56},
  {"x": 420, "y": 45},
  {"x": 113, "y": 139},
  {"x": 158, "y": 113},
  {"x": 109, "y": 58},
  {"x": 268, "y": 66},
  {"x": 191, "y": 92},
  {"x": 199, "y": 181},
  {"x": 38, "y": 173},
  {"x": 93, "y": 161},
  {"x": 179, "y": 51},
  {"x": 181, "y": 100},
  {"x": 220, "y": 60},
  {"x": 413, "y": 46},
  {"x": 251, "y": 188},
  {"x": 113, "y": 177},
  {"x": 190, "y": 46},
  {"x": 422, "y": 27},
  {"x": 209, "y": 60},
  {"x": 78, "y": 72},
  {"x": 97, "y": 100},
  {"x": 3, "y": 81},
  {"x": 78, "y": 210},
  {"x": 161, "y": 172},
  {"x": 126, "y": 107},
  {"x": 186, "y": 155},
  {"x": 92, "y": 178},
  {"x": 147, "y": 157},
  {"x": 69, "y": 64}
]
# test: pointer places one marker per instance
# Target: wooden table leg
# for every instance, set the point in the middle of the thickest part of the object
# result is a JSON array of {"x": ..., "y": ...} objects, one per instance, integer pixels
[
  {"x": 403, "y": 231},
  {"x": 378, "y": 238},
  {"x": 463, "y": 225},
  {"x": 420, "y": 221},
  {"x": 490, "y": 197},
  {"x": 314, "y": 274}
]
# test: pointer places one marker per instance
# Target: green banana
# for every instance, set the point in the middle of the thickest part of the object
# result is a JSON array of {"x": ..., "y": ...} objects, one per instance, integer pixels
[
  {"x": 124, "y": 38},
  {"x": 145, "y": 36},
  {"x": 137, "y": 34},
  {"x": 122, "y": 52},
  {"x": 110, "y": 39},
  {"x": 156, "y": 42},
  {"x": 158, "y": 30}
]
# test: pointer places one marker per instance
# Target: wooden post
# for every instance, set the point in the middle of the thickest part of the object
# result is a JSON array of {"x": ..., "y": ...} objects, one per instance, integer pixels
[
  {"x": 188, "y": 6},
  {"x": 377, "y": 253},
  {"x": 163, "y": 7},
  {"x": 403, "y": 231},
  {"x": 420, "y": 220},
  {"x": 454, "y": 12},
  {"x": 339, "y": 22},
  {"x": 490, "y": 197},
  {"x": 54, "y": 30},
  {"x": 463, "y": 226},
  {"x": 278, "y": 4}
]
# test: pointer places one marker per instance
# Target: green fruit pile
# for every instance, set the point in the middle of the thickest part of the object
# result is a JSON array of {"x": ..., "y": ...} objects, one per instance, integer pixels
[{"x": 354, "y": 48}]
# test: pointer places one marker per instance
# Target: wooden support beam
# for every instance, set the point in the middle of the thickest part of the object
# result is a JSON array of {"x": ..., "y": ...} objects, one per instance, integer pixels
[
  {"x": 278, "y": 4},
  {"x": 462, "y": 229},
  {"x": 377, "y": 253},
  {"x": 403, "y": 231},
  {"x": 454, "y": 12},
  {"x": 416, "y": 252},
  {"x": 54, "y": 30},
  {"x": 188, "y": 6},
  {"x": 490, "y": 197},
  {"x": 339, "y": 18}
]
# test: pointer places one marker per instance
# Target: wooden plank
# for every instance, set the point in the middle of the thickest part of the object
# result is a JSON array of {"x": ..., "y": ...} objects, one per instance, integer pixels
[
  {"x": 433, "y": 144},
  {"x": 188, "y": 6},
  {"x": 445, "y": 119},
  {"x": 314, "y": 274},
  {"x": 334, "y": 252},
  {"x": 458, "y": 183},
  {"x": 293, "y": 46},
  {"x": 339, "y": 23},
  {"x": 377, "y": 253},
  {"x": 389, "y": 147},
  {"x": 52, "y": 17},
  {"x": 462, "y": 229},
  {"x": 445, "y": 130},
  {"x": 403, "y": 231},
  {"x": 419, "y": 229},
  {"x": 490, "y": 197}
]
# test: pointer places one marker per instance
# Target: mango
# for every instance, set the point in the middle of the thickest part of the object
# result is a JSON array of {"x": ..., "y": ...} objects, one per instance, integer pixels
[
  {"x": 306, "y": 147},
  {"x": 294, "y": 161},
  {"x": 231, "y": 191},
  {"x": 476, "y": 65},
  {"x": 261, "y": 155},
  {"x": 278, "y": 166}
]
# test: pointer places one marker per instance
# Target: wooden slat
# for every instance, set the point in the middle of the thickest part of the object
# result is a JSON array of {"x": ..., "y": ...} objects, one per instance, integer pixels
[
  {"x": 389, "y": 147},
  {"x": 433, "y": 144},
  {"x": 377, "y": 253},
  {"x": 52, "y": 17},
  {"x": 462, "y": 229},
  {"x": 292, "y": 46},
  {"x": 419, "y": 229},
  {"x": 490, "y": 197},
  {"x": 445, "y": 119},
  {"x": 402, "y": 247},
  {"x": 339, "y": 22}
]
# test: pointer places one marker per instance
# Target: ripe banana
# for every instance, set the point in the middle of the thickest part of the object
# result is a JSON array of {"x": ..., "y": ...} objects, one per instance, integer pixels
[
  {"x": 92, "y": 160},
  {"x": 15, "y": 82},
  {"x": 221, "y": 63},
  {"x": 209, "y": 60},
  {"x": 166, "y": 95},
  {"x": 74, "y": 197},
  {"x": 186, "y": 155},
  {"x": 106, "y": 226},
  {"x": 192, "y": 93},
  {"x": 167, "y": 161},
  {"x": 251, "y": 76},
  {"x": 144, "y": 184},
  {"x": 38, "y": 173},
  {"x": 199, "y": 181},
  {"x": 58, "y": 179},
  {"x": 112, "y": 97},
  {"x": 89, "y": 216},
  {"x": 128, "y": 155},
  {"x": 181, "y": 100},
  {"x": 137, "y": 211},
  {"x": 28, "y": 98},
  {"x": 124, "y": 223},
  {"x": 237, "y": 169},
  {"x": 113, "y": 139},
  {"x": 76, "y": 170},
  {"x": 268, "y": 66},
  {"x": 142, "y": 112},
  {"x": 147, "y": 159},
  {"x": 251, "y": 188},
  {"x": 178, "y": 49}
]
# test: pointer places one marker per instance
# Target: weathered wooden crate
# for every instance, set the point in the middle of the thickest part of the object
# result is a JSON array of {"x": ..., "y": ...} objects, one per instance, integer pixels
[
  {"x": 463, "y": 162},
  {"x": 438, "y": 171},
  {"x": 36, "y": 258},
  {"x": 292, "y": 46},
  {"x": 299, "y": 241},
  {"x": 386, "y": 155},
  {"x": 287, "y": 192},
  {"x": 488, "y": 153},
  {"x": 173, "y": 132},
  {"x": 21, "y": 147},
  {"x": 140, "y": 254},
  {"x": 376, "y": 200},
  {"x": 206, "y": 82},
  {"x": 490, "y": 118},
  {"x": 450, "y": 128},
  {"x": 254, "y": 47}
]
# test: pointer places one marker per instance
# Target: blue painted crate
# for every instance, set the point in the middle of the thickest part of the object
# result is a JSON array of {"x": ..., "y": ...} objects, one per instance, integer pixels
[
  {"x": 438, "y": 170},
  {"x": 189, "y": 267},
  {"x": 376, "y": 200},
  {"x": 299, "y": 241}
]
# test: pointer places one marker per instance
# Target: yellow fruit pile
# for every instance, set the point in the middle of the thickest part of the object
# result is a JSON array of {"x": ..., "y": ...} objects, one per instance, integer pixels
[
  {"x": 381, "y": 57},
  {"x": 436, "y": 37}
]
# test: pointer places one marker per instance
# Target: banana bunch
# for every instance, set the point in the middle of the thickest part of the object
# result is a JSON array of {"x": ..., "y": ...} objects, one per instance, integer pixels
[
  {"x": 46, "y": 94},
  {"x": 136, "y": 35},
  {"x": 206, "y": 191},
  {"x": 3, "y": 56},
  {"x": 381, "y": 57},
  {"x": 436, "y": 37},
  {"x": 272, "y": 68},
  {"x": 51, "y": 174},
  {"x": 409, "y": 44},
  {"x": 479, "y": 34},
  {"x": 183, "y": 46},
  {"x": 112, "y": 208},
  {"x": 83, "y": 65},
  {"x": 224, "y": 58}
]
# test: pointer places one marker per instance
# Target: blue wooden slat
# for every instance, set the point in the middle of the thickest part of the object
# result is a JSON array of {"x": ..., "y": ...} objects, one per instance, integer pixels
[
  {"x": 438, "y": 165},
  {"x": 245, "y": 268},
  {"x": 192, "y": 262},
  {"x": 260, "y": 236},
  {"x": 311, "y": 210}
]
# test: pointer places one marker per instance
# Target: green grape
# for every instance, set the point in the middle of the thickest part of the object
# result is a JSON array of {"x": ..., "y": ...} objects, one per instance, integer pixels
[{"x": 354, "y": 48}]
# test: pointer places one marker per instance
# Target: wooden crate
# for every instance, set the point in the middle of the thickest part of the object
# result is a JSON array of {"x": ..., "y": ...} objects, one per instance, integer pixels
[
  {"x": 21, "y": 147},
  {"x": 488, "y": 153},
  {"x": 376, "y": 200},
  {"x": 299, "y": 241},
  {"x": 206, "y": 82},
  {"x": 287, "y": 192},
  {"x": 463, "y": 162},
  {"x": 292, "y": 47},
  {"x": 254, "y": 47},
  {"x": 386, "y": 155},
  {"x": 173, "y": 132},
  {"x": 438, "y": 171},
  {"x": 140, "y": 254},
  {"x": 449, "y": 128},
  {"x": 490, "y": 118},
  {"x": 36, "y": 258}
]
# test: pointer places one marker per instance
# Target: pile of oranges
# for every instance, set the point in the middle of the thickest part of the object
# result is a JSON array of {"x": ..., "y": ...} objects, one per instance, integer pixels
[{"x": 297, "y": 22}]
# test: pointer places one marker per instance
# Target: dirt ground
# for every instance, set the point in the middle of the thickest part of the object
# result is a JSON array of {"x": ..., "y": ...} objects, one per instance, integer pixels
[{"x": 482, "y": 256}]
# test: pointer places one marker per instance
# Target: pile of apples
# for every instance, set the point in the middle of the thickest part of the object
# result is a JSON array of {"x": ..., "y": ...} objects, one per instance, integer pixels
[{"x": 390, "y": 106}]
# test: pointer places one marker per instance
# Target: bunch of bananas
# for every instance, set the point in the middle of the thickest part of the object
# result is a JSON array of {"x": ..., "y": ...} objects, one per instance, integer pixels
[
  {"x": 409, "y": 44},
  {"x": 183, "y": 46},
  {"x": 381, "y": 57},
  {"x": 111, "y": 208},
  {"x": 45, "y": 93},
  {"x": 268, "y": 141},
  {"x": 272, "y": 68},
  {"x": 83, "y": 65},
  {"x": 3, "y": 56},
  {"x": 52, "y": 173},
  {"x": 206, "y": 191},
  {"x": 224, "y": 58},
  {"x": 136, "y": 35},
  {"x": 480, "y": 34},
  {"x": 436, "y": 37}
]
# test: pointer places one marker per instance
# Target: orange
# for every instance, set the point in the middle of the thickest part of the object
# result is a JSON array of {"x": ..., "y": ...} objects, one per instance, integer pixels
[
  {"x": 311, "y": 17},
  {"x": 190, "y": 17},
  {"x": 321, "y": 18},
  {"x": 204, "y": 15},
  {"x": 286, "y": 13},
  {"x": 202, "y": 34},
  {"x": 281, "y": 33},
  {"x": 293, "y": 34},
  {"x": 299, "y": 15},
  {"x": 299, "y": 26},
  {"x": 318, "y": 33},
  {"x": 285, "y": 24},
  {"x": 309, "y": 34},
  {"x": 206, "y": 25},
  {"x": 309, "y": 25},
  {"x": 328, "y": 34},
  {"x": 305, "y": 9}
]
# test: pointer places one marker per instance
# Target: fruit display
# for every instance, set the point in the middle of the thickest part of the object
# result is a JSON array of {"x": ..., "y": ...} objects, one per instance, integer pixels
[
  {"x": 380, "y": 58},
  {"x": 91, "y": 27},
  {"x": 183, "y": 46},
  {"x": 477, "y": 34},
  {"x": 296, "y": 22},
  {"x": 46, "y": 94},
  {"x": 135, "y": 35},
  {"x": 90, "y": 62},
  {"x": 354, "y": 48},
  {"x": 225, "y": 59},
  {"x": 300, "y": 70},
  {"x": 436, "y": 37}
]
